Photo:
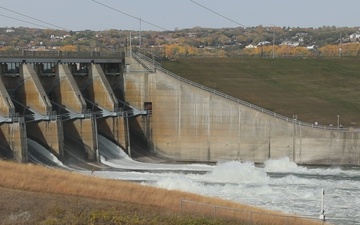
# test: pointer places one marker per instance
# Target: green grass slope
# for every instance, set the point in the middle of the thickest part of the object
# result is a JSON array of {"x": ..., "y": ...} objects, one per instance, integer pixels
[{"x": 313, "y": 89}]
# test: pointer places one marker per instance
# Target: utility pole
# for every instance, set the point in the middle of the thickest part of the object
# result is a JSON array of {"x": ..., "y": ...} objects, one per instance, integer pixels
[
  {"x": 130, "y": 46},
  {"x": 140, "y": 35},
  {"x": 340, "y": 42},
  {"x": 273, "y": 50}
]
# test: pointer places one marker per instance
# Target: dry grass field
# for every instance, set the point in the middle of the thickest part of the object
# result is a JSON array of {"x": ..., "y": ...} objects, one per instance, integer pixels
[{"x": 32, "y": 194}]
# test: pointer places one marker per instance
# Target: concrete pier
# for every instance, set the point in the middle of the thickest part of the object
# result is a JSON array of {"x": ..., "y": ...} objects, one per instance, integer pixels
[
  {"x": 102, "y": 101},
  {"x": 44, "y": 127},
  {"x": 12, "y": 129}
]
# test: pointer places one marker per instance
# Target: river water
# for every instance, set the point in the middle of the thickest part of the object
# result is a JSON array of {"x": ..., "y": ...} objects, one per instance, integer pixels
[{"x": 279, "y": 184}]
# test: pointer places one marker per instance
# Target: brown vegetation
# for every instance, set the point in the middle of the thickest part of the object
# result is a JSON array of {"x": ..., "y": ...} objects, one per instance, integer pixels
[{"x": 63, "y": 196}]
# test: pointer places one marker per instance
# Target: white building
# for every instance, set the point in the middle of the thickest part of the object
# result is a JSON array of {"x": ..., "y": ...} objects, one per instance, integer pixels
[
  {"x": 9, "y": 31},
  {"x": 290, "y": 43}
]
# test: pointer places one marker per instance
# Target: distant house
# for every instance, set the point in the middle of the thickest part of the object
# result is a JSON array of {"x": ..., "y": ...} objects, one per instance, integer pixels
[
  {"x": 301, "y": 35},
  {"x": 191, "y": 35},
  {"x": 262, "y": 43},
  {"x": 9, "y": 31},
  {"x": 55, "y": 37},
  {"x": 311, "y": 47},
  {"x": 355, "y": 37},
  {"x": 290, "y": 43},
  {"x": 250, "y": 46}
]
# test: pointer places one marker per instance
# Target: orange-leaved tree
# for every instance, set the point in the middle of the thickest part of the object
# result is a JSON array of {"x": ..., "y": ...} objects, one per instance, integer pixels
[{"x": 68, "y": 48}]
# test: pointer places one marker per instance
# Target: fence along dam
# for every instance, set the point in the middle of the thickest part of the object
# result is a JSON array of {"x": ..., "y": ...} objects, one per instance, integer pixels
[{"x": 64, "y": 100}]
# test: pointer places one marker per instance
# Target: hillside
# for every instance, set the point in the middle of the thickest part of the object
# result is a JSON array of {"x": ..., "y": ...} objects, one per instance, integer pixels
[
  {"x": 261, "y": 41},
  {"x": 315, "y": 90}
]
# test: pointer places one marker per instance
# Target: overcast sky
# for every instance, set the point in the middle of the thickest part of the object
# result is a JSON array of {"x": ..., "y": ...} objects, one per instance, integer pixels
[{"x": 171, "y": 14}]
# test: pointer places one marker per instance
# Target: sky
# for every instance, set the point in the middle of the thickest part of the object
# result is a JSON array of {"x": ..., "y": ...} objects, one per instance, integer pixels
[{"x": 160, "y": 15}]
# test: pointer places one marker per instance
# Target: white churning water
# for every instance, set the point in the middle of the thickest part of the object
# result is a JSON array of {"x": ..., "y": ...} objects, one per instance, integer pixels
[{"x": 278, "y": 185}]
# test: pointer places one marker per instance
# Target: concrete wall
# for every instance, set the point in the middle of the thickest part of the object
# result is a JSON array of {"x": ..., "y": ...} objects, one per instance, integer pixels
[
  {"x": 84, "y": 133},
  {"x": 101, "y": 93},
  {"x": 31, "y": 93},
  {"x": 12, "y": 134},
  {"x": 100, "y": 89},
  {"x": 188, "y": 123},
  {"x": 13, "y": 140},
  {"x": 115, "y": 129},
  {"x": 7, "y": 107},
  {"x": 66, "y": 92}
]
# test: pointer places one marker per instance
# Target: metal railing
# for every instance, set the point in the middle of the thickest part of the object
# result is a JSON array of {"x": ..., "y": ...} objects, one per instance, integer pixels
[
  {"x": 60, "y": 54},
  {"x": 158, "y": 67}
]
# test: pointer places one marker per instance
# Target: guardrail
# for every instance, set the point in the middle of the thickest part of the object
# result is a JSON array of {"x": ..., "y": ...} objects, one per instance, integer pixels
[
  {"x": 231, "y": 98},
  {"x": 60, "y": 54}
]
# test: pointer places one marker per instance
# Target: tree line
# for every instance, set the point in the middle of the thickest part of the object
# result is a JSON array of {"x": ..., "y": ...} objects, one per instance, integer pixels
[{"x": 324, "y": 41}]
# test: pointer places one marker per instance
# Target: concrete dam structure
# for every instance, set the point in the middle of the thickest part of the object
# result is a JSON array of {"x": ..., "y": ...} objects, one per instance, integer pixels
[
  {"x": 61, "y": 101},
  {"x": 191, "y": 122},
  {"x": 64, "y": 100}
]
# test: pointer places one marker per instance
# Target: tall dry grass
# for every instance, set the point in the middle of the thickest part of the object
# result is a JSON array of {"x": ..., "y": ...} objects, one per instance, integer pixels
[{"x": 36, "y": 178}]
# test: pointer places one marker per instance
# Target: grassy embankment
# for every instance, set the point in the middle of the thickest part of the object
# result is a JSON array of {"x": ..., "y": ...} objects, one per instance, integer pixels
[
  {"x": 313, "y": 89},
  {"x": 32, "y": 194}
]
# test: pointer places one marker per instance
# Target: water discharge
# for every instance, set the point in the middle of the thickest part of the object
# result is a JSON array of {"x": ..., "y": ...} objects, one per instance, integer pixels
[{"x": 279, "y": 184}]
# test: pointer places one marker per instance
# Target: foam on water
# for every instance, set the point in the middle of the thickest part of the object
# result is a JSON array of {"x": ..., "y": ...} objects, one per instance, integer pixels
[
  {"x": 296, "y": 190},
  {"x": 279, "y": 185},
  {"x": 282, "y": 165},
  {"x": 237, "y": 172},
  {"x": 182, "y": 183}
]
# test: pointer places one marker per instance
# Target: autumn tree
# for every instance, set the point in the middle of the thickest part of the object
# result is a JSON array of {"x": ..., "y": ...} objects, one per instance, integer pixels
[{"x": 68, "y": 48}]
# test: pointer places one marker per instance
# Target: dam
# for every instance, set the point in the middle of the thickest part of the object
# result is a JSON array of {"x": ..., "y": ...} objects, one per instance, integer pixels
[{"x": 63, "y": 100}]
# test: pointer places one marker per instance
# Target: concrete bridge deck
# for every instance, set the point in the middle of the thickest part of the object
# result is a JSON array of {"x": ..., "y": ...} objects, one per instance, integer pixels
[{"x": 60, "y": 56}]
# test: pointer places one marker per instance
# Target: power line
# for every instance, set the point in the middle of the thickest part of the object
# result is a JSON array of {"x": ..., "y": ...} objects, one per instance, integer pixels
[
  {"x": 217, "y": 13},
  {"x": 24, "y": 21},
  {"x": 134, "y": 17},
  {"x": 62, "y": 28}
]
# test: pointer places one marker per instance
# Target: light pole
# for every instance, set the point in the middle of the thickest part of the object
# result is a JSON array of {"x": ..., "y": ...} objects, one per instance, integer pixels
[
  {"x": 338, "y": 121},
  {"x": 340, "y": 42},
  {"x": 273, "y": 50},
  {"x": 273, "y": 42}
]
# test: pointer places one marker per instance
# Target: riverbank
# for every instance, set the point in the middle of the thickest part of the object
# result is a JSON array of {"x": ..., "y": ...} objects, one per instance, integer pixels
[{"x": 32, "y": 194}]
